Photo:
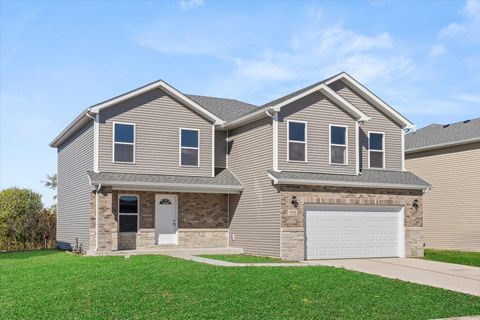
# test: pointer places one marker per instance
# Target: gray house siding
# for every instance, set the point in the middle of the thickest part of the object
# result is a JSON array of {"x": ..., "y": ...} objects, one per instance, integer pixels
[
  {"x": 75, "y": 158},
  {"x": 379, "y": 122},
  {"x": 254, "y": 214},
  {"x": 319, "y": 113},
  {"x": 158, "y": 118},
  {"x": 220, "y": 149}
]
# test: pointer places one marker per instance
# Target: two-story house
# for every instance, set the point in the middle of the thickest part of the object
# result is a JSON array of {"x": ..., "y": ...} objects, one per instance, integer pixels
[{"x": 316, "y": 174}]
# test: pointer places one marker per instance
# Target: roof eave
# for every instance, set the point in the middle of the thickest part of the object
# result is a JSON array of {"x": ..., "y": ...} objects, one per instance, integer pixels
[
  {"x": 349, "y": 184},
  {"x": 181, "y": 187},
  {"x": 442, "y": 145},
  {"x": 76, "y": 124}
]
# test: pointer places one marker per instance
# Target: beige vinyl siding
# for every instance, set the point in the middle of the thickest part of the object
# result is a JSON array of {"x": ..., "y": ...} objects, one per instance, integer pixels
[
  {"x": 255, "y": 214},
  {"x": 451, "y": 209},
  {"x": 319, "y": 112},
  {"x": 380, "y": 123},
  {"x": 75, "y": 158},
  {"x": 157, "y": 118},
  {"x": 220, "y": 149}
]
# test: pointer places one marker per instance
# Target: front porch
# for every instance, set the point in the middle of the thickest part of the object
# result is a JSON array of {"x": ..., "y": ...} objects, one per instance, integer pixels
[{"x": 151, "y": 220}]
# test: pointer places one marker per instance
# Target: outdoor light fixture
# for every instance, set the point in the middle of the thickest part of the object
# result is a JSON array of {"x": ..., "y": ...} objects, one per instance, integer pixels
[
  {"x": 415, "y": 204},
  {"x": 294, "y": 201}
]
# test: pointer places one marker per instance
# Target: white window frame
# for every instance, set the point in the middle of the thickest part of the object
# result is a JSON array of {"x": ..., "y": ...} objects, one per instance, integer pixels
[
  {"x": 330, "y": 144},
  {"x": 114, "y": 123},
  {"x": 180, "y": 147},
  {"x": 128, "y": 214},
  {"x": 296, "y": 141},
  {"x": 383, "y": 149}
]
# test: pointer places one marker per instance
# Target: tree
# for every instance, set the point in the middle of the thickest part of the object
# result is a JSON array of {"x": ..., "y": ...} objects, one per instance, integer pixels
[
  {"x": 51, "y": 183},
  {"x": 24, "y": 223}
]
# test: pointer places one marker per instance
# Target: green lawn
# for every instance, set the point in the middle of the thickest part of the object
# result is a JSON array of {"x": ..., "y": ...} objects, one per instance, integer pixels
[
  {"x": 459, "y": 257},
  {"x": 57, "y": 285},
  {"x": 243, "y": 258}
]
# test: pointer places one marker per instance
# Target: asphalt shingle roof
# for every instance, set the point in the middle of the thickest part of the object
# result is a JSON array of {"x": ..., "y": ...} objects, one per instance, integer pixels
[
  {"x": 226, "y": 109},
  {"x": 383, "y": 177},
  {"x": 223, "y": 178},
  {"x": 438, "y": 134}
]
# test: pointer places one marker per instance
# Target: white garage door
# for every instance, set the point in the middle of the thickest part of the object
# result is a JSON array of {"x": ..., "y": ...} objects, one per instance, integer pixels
[{"x": 334, "y": 232}]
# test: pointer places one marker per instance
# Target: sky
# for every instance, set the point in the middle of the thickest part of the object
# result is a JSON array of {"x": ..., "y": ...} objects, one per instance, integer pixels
[{"x": 57, "y": 58}]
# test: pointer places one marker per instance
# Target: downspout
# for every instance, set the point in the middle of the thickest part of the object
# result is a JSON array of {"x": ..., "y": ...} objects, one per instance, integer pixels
[
  {"x": 97, "y": 190},
  {"x": 97, "y": 215}
]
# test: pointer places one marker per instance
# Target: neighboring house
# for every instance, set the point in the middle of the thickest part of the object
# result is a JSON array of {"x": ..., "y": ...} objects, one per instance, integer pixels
[
  {"x": 448, "y": 156},
  {"x": 316, "y": 174}
]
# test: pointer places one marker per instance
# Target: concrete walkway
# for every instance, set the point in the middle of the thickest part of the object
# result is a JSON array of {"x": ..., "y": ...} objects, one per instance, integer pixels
[{"x": 436, "y": 274}]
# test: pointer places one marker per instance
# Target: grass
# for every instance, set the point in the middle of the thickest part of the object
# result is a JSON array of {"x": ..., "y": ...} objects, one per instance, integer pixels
[
  {"x": 57, "y": 285},
  {"x": 243, "y": 258},
  {"x": 459, "y": 257}
]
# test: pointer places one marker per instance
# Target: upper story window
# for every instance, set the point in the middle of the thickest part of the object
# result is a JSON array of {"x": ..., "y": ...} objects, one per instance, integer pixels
[
  {"x": 128, "y": 213},
  {"x": 338, "y": 144},
  {"x": 376, "y": 150},
  {"x": 123, "y": 142},
  {"x": 189, "y": 147},
  {"x": 297, "y": 141}
]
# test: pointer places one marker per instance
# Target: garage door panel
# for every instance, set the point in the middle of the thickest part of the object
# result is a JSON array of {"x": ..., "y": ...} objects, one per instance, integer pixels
[{"x": 354, "y": 232}]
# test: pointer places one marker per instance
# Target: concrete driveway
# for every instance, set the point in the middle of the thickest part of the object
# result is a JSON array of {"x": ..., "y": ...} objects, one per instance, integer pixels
[{"x": 436, "y": 274}]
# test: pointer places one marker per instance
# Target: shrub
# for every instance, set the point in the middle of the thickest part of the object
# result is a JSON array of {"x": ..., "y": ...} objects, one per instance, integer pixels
[{"x": 24, "y": 222}]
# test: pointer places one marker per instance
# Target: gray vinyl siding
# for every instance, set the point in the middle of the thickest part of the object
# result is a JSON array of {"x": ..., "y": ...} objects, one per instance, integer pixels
[
  {"x": 319, "y": 112},
  {"x": 379, "y": 122},
  {"x": 220, "y": 149},
  {"x": 158, "y": 118},
  {"x": 75, "y": 158},
  {"x": 451, "y": 209},
  {"x": 255, "y": 214}
]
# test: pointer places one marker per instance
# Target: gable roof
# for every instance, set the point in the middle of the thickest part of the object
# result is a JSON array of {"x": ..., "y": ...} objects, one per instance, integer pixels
[
  {"x": 372, "y": 98},
  {"x": 95, "y": 109},
  {"x": 437, "y": 136},
  {"x": 231, "y": 113}
]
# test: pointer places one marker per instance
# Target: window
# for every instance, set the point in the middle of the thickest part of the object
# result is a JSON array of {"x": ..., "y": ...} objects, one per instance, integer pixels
[
  {"x": 123, "y": 142},
  {"x": 376, "y": 150},
  {"x": 338, "y": 144},
  {"x": 189, "y": 147},
  {"x": 297, "y": 141},
  {"x": 128, "y": 213}
]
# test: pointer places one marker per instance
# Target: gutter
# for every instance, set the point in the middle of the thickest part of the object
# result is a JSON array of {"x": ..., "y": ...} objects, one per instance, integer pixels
[
  {"x": 174, "y": 186},
  {"x": 348, "y": 184}
]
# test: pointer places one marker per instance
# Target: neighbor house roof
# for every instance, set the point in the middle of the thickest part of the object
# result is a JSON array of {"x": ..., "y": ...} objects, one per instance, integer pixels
[
  {"x": 367, "y": 179},
  {"x": 223, "y": 181},
  {"x": 437, "y": 136}
]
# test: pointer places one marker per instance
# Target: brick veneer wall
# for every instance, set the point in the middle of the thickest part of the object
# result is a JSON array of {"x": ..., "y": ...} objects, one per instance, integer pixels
[
  {"x": 195, "y": 211},
  {"x": 292, "y": 225}
]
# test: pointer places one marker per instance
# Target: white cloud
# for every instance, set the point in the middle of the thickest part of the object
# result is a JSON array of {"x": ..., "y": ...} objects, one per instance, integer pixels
[
  {"x": 436, "y": 51},
  {"x": 470, "y": 98},
  {"x": 190, "y": 4},
  {"x": 468, "y": 29}
]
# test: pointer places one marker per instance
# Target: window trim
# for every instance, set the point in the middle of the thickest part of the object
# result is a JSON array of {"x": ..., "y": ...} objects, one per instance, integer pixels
[
  {"x": 128, "y": 214},
  {"x": 330, "y": 144},
  {"x": 126, "y": 143},
  {"x": 180, "y": 148},
  {"x": 296, "y": 141},
  {"x": 383, "y": 150}
]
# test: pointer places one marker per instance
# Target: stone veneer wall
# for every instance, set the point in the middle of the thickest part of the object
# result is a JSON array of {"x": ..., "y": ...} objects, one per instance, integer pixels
[
  {"x": 202, "y": 221},
  {"x": 292, "y": 225}
]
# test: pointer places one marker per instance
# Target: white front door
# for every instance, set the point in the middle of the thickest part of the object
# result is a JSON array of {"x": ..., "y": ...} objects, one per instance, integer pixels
[
  {"x": 336, "y": 232},
  {"x": 166, "y": 219}
]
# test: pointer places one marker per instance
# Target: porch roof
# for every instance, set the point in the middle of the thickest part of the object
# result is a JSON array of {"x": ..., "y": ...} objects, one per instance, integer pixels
[
  {"x": 223, "y": 182},
  {"x": 367, "y": 179}
]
